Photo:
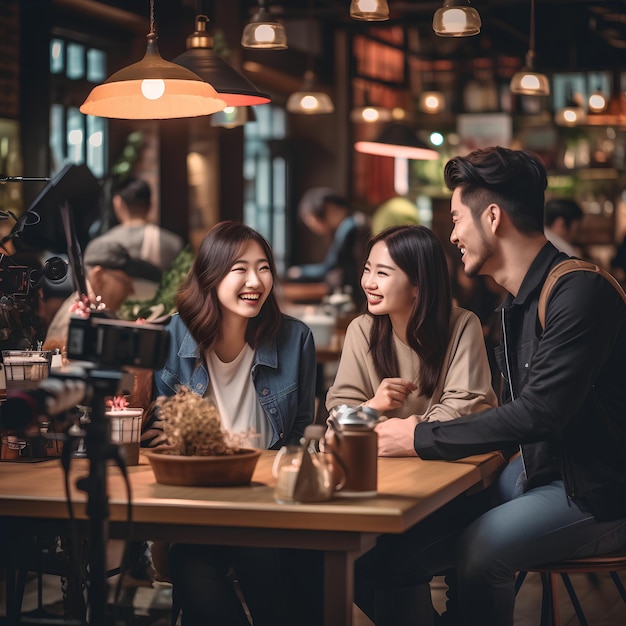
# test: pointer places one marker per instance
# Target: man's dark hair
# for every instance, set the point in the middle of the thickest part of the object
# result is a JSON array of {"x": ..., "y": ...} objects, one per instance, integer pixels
[
  {"x": 566, "y": 208},
  {"x": 136, "y": 194},
  {"x": 314, "y": 201},
  {"x": 514, "y": 179}
]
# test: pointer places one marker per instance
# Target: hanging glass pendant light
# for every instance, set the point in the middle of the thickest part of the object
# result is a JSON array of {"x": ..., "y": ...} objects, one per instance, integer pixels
[
  {"x": 597, "y": 101},
  {"x": 369, "y": 10},
  {"x": 308, "y": 100},
  {"x": 573, "y": 113},
  {"x": 263, "y": 31},
  {"x": 234, "y": 88},
  {"x": 152, "y": 88},
  {"x": 457, "y": 18},
  {"x": 527, "y": 82}
]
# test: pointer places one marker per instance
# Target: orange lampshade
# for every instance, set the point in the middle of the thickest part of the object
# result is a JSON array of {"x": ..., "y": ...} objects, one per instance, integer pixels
[
  {"x": 398, "y": 140},
  {"x": 152, "y": 88}
]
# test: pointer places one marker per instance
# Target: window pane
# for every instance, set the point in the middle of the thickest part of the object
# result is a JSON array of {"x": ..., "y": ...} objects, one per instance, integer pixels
[
  {"x": 75, "y": 136},
  {"x": 57, "y": 142},
  {"x": 75, "y": 60},
  {"x": 95, "y": 144},
  {"x": 57, "y": 60},
  {"x": 96, "y": 65}
]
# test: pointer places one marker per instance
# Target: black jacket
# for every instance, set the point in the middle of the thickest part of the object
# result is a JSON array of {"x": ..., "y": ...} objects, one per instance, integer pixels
[{"x": 568, "y": 387}]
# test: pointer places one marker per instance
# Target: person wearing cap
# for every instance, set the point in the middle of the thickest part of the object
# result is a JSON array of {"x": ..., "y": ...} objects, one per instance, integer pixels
[{"x": 110, "y": 271}]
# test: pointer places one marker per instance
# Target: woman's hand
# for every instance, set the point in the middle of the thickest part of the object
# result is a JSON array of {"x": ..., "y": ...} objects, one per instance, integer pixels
[
  {"x": 391, "y": 394},
  {"x": 395, "y": 436}
]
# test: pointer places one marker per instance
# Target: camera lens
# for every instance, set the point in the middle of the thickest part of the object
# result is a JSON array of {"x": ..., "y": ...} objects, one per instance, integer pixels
[{"x": 55, "y": 269}]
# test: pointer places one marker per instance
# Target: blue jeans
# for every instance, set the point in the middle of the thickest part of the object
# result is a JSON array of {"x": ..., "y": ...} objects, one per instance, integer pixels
[{"x": 536, "y": 527}]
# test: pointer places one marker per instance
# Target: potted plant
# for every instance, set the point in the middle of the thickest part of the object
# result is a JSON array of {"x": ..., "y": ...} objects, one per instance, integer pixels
[{"x": 198, "y": 451}]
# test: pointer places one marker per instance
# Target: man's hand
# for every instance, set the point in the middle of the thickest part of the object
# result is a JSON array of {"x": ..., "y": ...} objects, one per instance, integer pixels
[{"x": 395, "y": 436}]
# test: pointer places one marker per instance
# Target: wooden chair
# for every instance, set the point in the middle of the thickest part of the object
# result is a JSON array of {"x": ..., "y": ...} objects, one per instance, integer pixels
[{"x": 549, "y": 572}]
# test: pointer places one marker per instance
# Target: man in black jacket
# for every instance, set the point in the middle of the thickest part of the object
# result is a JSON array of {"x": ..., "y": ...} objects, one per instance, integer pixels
[{"x": 565, "y": 403}]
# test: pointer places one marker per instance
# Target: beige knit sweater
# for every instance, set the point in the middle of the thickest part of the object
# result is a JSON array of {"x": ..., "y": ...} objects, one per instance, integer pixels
[{"x": 464, "y": 385}]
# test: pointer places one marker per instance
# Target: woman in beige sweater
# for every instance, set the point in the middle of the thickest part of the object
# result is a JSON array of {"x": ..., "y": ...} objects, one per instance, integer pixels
[{"x": 412, "y": 356}]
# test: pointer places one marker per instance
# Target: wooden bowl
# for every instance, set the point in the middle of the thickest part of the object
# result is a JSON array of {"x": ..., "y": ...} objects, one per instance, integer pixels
[{"x": 203, "y": 471}]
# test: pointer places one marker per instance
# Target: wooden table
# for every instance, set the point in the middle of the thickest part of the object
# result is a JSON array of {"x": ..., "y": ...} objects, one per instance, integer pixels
[{"x": 409, "y": 489}]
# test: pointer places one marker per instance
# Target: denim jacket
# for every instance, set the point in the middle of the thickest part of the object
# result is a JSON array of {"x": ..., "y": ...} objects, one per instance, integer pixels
[{"x": 283, "y": 371}]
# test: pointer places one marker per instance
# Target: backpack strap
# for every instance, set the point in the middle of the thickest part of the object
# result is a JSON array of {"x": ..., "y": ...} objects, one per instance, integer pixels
[{"x": 565, "y": 267}]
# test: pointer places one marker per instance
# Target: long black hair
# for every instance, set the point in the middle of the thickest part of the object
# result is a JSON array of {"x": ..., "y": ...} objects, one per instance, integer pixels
[{"x": 420, "y": 255}]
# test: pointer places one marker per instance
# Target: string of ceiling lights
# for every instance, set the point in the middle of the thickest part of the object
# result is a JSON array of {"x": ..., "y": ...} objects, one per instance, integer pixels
[{"x": 198, "y": 82}]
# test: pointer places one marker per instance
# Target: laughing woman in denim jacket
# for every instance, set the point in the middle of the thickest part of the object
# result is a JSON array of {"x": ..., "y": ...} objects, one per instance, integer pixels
[{"x": 231, "y": 344}]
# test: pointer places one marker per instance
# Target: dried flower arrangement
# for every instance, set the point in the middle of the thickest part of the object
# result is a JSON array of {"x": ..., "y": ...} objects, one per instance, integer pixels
[{"x": 192, "y": 426}]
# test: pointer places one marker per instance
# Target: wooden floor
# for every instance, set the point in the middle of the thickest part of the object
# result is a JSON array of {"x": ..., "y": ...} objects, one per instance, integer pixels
[{"x": 598, "y": 596}]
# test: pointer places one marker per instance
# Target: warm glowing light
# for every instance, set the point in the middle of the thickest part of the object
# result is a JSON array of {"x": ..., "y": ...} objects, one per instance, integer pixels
[
  {"x": 264, "y": 33},
  {"x": 570, "y": 116},
  {"x": 530, "y": 81},
  {"x": 367, "y": 6},
  {"x": 454, "y": 20},
  {"x": 152, "y": 88},
  {"x": 370, "y": 114},
  {"x": 309, "y": 103},
  {"x": 597, "y": 102}
]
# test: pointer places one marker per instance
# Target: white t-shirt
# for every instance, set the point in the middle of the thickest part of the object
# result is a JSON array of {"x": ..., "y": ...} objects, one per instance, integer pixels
[{"x": 232, "y": 391}]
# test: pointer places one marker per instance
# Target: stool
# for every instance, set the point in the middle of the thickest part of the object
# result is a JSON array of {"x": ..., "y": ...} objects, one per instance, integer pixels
[{"x": 611, "y": 563}]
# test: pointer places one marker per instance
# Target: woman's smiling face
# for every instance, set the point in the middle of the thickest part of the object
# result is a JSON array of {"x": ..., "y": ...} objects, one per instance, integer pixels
[
  {"x": 245, "y": 288},
  {"x": 386, "y": 286}
]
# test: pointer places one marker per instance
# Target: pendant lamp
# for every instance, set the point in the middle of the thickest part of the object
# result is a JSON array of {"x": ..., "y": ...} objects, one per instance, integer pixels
[
  {"x": 398, "y": 140},
  {"x": 369, "y": 10},
  {"x": 152, "y": 88},
  {"x": 370, "y": 113},
  {"x": 234, "y": 88},
  {"x": 597, "y": 101},
  {"x": 528, "y": 82},
  {"x": 573, "y": 113},
  {"x": 264, "y": 31},
  {"x": 614, "y": 113},
  {"x": 309, "y": 100},
  {"x": 457, "y": 18}
]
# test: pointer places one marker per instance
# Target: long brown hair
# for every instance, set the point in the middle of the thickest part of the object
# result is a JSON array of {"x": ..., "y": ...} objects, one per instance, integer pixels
[
  {"x": 420, "y": 255},
  {"x": 197, "y": 300}
]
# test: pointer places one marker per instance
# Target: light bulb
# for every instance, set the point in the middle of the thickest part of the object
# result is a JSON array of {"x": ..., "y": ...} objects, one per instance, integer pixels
[
  {"x": 597, "y": 102},
  {"x": 370, "y": 114},
  {"x": 367, "y": 6},
  {"x": 530, "y": 81},
  {"x": 570, "y": 116},
  {"x": 152, "y": 88},
  {"x": 454, "y": 20},
  {"x": 264, "y": 33},
  {"x": 309, "y": 103}
]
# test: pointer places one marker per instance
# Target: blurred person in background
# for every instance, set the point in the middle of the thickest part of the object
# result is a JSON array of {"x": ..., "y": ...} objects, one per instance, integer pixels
[
  {"x": 131, "y": 199},
  {"x": 328, "y": 214},
  {"x": 562, "y": 218},
  {"x": 396, "y": 211},
  {"x": 110, "y": 271}
]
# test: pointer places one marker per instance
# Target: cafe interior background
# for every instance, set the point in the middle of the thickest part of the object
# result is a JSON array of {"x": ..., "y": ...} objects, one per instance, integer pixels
[{"x": 212, "y": 167}]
